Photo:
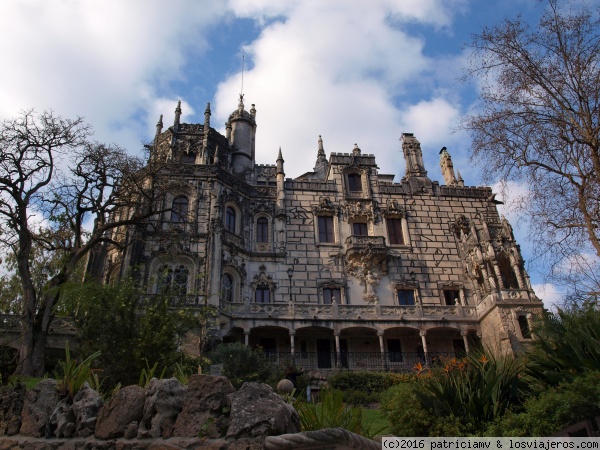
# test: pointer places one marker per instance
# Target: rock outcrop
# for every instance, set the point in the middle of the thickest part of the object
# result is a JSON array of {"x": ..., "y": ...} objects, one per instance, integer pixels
[
  {"x": 38, "y": 407},
  {"x": 117, "y": 415}
]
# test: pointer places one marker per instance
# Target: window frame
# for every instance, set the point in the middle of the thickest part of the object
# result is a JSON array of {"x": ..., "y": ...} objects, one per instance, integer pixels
[
  {"x": 363, "y": 228},
  {"x": 178, "y": 213},
  {"x": 403, "y": 301},
  {"x": 262, "y": 288},
  {"x": 262, "y": 230},
  {"x": 329, "y": 233},
  {"x": 354, "y": 182},
  {"x": 327, "y": 295},
  {"x": 230, "y": 219},
  {"x": 400, "y": 223}
]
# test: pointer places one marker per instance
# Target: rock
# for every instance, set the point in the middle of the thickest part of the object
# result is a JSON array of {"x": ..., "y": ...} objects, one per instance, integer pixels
[
  {"x": 125, "y": 407},
  {"x": 164, "y": 400},
  {"x": 285, "y": 386},
  {"x": 205, "y": 407},
  {"x": 11, "y": 405},
  {"x": 131, "y": 430},
  {"x": 86, "y": 405},
  {"x": 38, "y": 407},
  {"x": 258, "y": 411},
  {"x": 62, "y": 420}
]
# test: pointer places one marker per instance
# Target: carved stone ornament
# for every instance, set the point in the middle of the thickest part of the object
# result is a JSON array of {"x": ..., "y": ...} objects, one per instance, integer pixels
[
  {"x": 325, "y": 206},
  {"x": 368, "y": 266},
  {"x": 392, "y": 208},
  {"x": 355, "y": 210}
]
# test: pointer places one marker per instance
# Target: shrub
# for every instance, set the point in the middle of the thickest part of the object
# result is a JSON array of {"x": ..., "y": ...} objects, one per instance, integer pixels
[
  {"x": 242, "y": 363},
  {"x": 477, "y": 389},
  {"x": 330, "y": 412},
  {"x": 367, "y": 382},
  {"x": 75, "y": 374},
  {"x": 554, "y": 409},
  {"x": 408, "y": 417}
]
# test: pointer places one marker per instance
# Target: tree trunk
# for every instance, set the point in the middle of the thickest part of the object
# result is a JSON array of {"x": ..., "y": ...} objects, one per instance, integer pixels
[{"x": 32, "y": 351}]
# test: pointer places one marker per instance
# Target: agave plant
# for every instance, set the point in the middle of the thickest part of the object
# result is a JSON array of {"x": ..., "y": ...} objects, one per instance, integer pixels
[{"x": 75, "y": 374}]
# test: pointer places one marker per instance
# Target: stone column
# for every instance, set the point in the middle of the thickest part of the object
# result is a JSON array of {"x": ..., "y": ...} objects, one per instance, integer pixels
[
  {"x": 292, "y": 345},
  {"x": 338, "y": 352},
  {"x": 422, "y": 333},
  {"x": 465, "y": 336},
  {"x": 382, "y": 349},
  {"x": 246, "y": 337}
]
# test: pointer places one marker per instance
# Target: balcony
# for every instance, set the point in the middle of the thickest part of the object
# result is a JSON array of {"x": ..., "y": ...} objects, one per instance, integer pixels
[
  {"x": 311, "y": 311},
  {"x": 368, "y": 361}
]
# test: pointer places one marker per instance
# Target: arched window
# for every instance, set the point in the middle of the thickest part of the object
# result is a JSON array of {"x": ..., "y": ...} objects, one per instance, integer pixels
[
  {"x": 262, "y": 230},
  {"x": 227, "y": 288},
  {"x": 179, "y": 209},
  {"x": 262, "y": 294},
  {"x": 230, "y": 219}
]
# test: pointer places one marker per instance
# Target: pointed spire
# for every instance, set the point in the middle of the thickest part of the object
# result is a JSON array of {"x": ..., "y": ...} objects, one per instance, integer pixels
[
  {"x": 321, "y": 150},
  {"x": 280, "y": 162},
  {"x": 159, "y": 125},
  {"x": 460, "y": 180},
  {"x": 177, "y": 116},
  {"x": 207, "y": 117}
]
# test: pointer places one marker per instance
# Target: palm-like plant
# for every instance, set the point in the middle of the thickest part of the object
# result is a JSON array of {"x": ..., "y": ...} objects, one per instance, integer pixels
[
  {"x": 567, "y": 344},
  {"x": 478, "y": 389},
  {"x": 330, "y": 412}
]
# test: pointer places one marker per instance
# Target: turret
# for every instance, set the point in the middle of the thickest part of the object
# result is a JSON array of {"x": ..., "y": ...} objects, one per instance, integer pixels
[
  {"x": 205, "y": 131},
  {"x": 280, "y": 183},
  {"x": 321, "y": 165},
  {"x": 242, "y": 137}
]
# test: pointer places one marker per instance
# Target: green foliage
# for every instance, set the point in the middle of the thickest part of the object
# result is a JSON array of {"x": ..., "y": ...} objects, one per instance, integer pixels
[
  {"x": 242, "y": 363},
  {"x": 74, "y": 374},
  {"x": 330, "y": 412},
  {"x": 567, "y": 344},
  {"x": 408, "y": 417},
  {"x": 362, "y": 388},
  {"x": 554, "y": 409},
  {"x": 478, "y": 389},
  {"x": 148, "y": 373},
  {"x": 129, "y": 331}
]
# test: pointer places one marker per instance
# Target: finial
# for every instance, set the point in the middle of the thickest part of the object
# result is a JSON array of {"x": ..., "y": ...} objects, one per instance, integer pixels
[
  {"x": 253, "y": 110},
  {"x": 177, "y": 115},
  {"x": 159, "y": 125},
  {"x": 459, "y": 178},
  {"x": 241, "y": 103},
  {"x": 321, "y": 150},
  {"x": 207, "y": 110},
  {"x": 356, "y": 150},
  {"x": 280, "y": 163},
  {"x": 280, "y": 156}
]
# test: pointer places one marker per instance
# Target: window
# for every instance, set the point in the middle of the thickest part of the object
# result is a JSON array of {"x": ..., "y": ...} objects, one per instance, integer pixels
[
  {"x": 360, "y": 229},
  {"x": 509, "y": 279},
  {"x": 230, "y": 219},
  {"x": 172, "y": 280},
  {"x": 326, "y": 229},
  {"x": 394, "y": 350},
  {"x": 262, "y": 294},
  {"x": 354, "y": 182},
  {"x": 406, "y": 297},
  {"x": 524, "y": 326},
  {"x": 331, "y": 293},
  {"x": 180, "y": 280},
  {"x": 179, "y": 209},
  {"x": 395, "y": 235},
  {"x": 451, "y": 296},
  {"x": 262, "y": 230},
  {"x": 227, "y": 288}
]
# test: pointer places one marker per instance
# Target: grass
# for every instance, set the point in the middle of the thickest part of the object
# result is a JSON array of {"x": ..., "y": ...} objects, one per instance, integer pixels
[
  {"x": 374, "y": 422},
  {"x": 29, "y": 382}
]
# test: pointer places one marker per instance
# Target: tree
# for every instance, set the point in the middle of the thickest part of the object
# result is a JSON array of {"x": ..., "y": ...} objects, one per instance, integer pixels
[
  {"x": 49, "y": 171},
  {"x": 130, "y": 330},
  {"x": 538, "y": 124}
]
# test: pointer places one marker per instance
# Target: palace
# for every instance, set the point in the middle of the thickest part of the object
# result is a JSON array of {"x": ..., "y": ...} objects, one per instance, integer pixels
[{"x": 340, "y": 267}]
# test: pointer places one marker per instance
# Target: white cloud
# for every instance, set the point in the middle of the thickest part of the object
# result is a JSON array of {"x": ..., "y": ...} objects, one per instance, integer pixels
[
  {"x": 102, "y": 60},
  {"x": 335, "y": 69},
  {"x": 550, "y": 294}
]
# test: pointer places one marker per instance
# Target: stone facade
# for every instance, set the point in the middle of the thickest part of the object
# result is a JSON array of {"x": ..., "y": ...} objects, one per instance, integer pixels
[{"x": 338, "y": 267}]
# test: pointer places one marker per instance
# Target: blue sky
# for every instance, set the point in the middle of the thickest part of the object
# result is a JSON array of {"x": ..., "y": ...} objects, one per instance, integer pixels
[{"x": 353, "y": 71}]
